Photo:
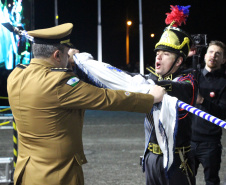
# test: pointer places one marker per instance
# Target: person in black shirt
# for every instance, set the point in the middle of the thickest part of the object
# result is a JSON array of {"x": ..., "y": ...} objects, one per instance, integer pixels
[{"x": 206, "y": 137}]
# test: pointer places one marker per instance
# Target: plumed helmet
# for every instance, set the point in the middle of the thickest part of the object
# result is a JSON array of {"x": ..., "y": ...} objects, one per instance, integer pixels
[{"x": 173, "y": 38}]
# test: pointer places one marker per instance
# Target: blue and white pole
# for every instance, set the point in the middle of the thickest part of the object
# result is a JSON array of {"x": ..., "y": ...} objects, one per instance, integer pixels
[{"x": 202, "y": 114}]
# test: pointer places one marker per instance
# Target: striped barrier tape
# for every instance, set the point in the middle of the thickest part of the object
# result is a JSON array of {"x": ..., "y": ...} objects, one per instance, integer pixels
[{"x": 202, "y": 114}]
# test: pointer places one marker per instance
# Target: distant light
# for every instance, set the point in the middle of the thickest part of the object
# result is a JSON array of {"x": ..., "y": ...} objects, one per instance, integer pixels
[
  {"x": 9, "y": 5},
  {"x": 57, "y": 17},
  {"x": 152, "y": 35},
  {"x": 129, "y": 23}
]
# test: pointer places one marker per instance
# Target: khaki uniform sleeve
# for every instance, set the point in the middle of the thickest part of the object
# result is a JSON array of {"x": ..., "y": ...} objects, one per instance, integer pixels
[{"x": 81, "y": 95}]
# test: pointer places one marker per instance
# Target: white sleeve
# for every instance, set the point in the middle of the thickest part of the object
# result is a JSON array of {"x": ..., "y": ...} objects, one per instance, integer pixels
[{"x": 112, "y": 77}]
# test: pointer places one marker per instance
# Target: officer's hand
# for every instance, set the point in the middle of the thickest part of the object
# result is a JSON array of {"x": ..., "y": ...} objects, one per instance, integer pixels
[
  {"x": 157, "y": 92},
  {"x": 71, "y": 52},
  {"x": 71, "y": 62}
]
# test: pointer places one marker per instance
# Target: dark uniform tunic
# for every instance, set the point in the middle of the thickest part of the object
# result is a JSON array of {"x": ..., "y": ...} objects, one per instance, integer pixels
[
  {"x": 48, "y": 106},
  {"x": 184, "y": 90},
  {"x": 206, "y": 136}
]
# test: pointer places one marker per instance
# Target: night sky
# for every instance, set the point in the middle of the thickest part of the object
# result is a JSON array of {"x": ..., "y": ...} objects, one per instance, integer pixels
[{"x": 206, "y": 17}]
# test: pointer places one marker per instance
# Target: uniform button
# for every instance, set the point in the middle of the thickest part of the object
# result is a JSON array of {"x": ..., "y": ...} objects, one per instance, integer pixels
[{"x": 212, "y": 94}]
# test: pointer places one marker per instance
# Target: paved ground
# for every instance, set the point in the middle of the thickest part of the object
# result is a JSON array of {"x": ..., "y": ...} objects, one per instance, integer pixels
[{"x": 113, "y": 142}]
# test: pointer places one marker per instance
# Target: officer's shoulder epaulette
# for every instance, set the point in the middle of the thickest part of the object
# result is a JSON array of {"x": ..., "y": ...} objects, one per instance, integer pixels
[
  {"x": 21, "y": 66},
  {"x": 61, "y": 70}
]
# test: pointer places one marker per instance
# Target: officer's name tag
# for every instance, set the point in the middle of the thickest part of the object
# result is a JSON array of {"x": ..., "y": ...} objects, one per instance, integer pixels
[{"x": 73, "y": 81}]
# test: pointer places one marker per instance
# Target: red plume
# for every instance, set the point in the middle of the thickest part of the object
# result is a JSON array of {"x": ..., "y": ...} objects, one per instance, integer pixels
[{"x": 178, "y": 14}]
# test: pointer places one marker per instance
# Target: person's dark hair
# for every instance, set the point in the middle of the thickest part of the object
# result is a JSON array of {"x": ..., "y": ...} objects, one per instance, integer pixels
[
  {"x": 220, "y": 44},
  {"x": 46, "y": 50}
]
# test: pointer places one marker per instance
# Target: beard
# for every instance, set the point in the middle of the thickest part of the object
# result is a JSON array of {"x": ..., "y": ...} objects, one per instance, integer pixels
[{"x": 212, "y": 65}]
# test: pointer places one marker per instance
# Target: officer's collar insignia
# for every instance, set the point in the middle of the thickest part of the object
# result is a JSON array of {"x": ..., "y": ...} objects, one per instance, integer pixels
[{"x": 73, "y": 81}]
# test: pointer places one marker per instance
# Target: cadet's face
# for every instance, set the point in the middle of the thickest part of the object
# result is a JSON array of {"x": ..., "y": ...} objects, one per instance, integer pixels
[
  {"x": 64, "y": 57},
  {"x": 214, "y": 58},
  {"x": 163, "y": 61}
]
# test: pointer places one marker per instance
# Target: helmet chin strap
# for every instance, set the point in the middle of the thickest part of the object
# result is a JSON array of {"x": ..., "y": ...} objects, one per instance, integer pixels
[{"x": 168, "y": 73}]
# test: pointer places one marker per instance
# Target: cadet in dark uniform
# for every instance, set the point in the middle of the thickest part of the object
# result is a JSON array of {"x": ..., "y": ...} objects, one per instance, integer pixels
[
  {"x": 172, "y": 50},
  {"x": 48, "y": 103},
  {"x": 206, "y": 137}
]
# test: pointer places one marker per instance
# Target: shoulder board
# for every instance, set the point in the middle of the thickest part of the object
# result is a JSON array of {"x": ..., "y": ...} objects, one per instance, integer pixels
[
  {"x": 61, "y": 70},
  {"x": 21, "y": 66}
]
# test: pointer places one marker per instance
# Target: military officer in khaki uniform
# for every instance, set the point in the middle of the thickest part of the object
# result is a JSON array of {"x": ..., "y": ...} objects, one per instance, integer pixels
[{"x": 48, "y": 103}]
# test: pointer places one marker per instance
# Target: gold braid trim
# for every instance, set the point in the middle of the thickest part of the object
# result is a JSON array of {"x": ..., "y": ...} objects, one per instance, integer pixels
[
  {"x": 65, "y": 41},
  {"x": 152, "y": 70},
  {"x": 186, "y": 41},
  {"x": 168, "y": 77}
]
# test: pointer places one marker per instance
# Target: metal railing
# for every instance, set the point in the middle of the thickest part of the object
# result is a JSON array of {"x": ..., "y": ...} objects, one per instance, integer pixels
[{"x": 7, "y": 164}]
